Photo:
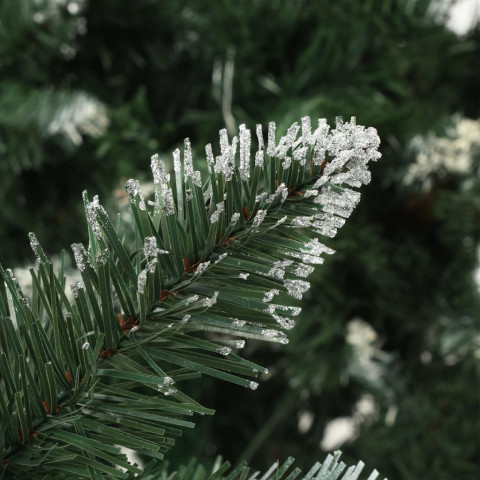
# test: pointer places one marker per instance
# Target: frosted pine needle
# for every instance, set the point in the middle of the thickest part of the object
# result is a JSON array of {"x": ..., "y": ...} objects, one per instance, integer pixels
[
  {"x": 209, "y": 155},
  {"x": 278, "y": 269},
  {"x": 75, "y": 288},
  {"x": 244, "y": 153},
  {"x": 91, "y": 212},
  {"x": 34, "y": 245},
  {"x": 303, "y": 270},
  {"x": 202, "y": 267},
  {"x": 259, "y": 131},
  {"x": 296, "y": 288},
  {"x": 224, "y": 351},
  {"x": 307, "y": 131},
  {"x": 271, "y": 139},
  {"x": 80, "y": 256},
  {"x": 270, "y": 294},
  {"x": 133, "y": 191},
  {"x": 216, "y": 215},
  {"x": 259, "y": 158},
  {"x": 284, "y": 322},
  {"x": 208, "y": 302},
  {"x": 259, "y": 217},
  {"x": 150, "y": 248}
]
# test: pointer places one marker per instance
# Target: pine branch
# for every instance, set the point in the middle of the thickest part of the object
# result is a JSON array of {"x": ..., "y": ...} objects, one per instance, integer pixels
[
  {"x": 29, "y": 116},
  {"x": 208, "y": 259},
  {"x": 332, "y": 468}
]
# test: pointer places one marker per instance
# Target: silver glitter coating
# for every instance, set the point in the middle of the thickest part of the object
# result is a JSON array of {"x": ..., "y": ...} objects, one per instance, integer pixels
[
  {"x": 188, "y": 171},
  {"x": 133, "y": 191},
  {"x": 296, "y": 288},
  {"x": 261, "y": 197},
  {"x": 177, "y": 164},
  {"x": 278, "y": 269},
  {"x": 270, "y": 294},
  {"x": 216, "y": 215},
  {"x": 245, "y": 139},
  {"x": 80, "y": 256},
  {"x": 91, "y": 212},
  {"x": 150, "y": 248},
  {"x": 221, "y": 257},
  {"x": 208, "y": 302},
  {"x": 300, "y": 155},
  {"x": 34, "y": 245},
  {"x": 235, "y": 218},
  {"x": 314, "y": 247},
  {"x": 307, "y": 137},
  {"x": 259, "y": 159},
  {"x": 75, "y": 288},
  {"x": 303, "y": 270},
  {"x": 292, "y": 133},
  {"x": 287, "y": 162},
  {"x": 224, "y": 351},
  {"x": 261, "y": 143},
  {"x": 170, "y": 391},
  {"x": 209, "y": 154},
  {"x": 276, "y": 335},
  {"x": 271, "y": 147},
  {"x": 259, "y": 218},
  {"x": 102, "y": 256},
  {"x": 168, "y": 202},
  {"x": 192, "y": 299},
  {"x": 143, "y": 275},
  {"x": 155, "y": 167},
  {"x": 187, "y": 160},
  {"x": 224, "y": 143},
  {"x": 202, "y": 267},
  {"x": 142, "y": 281},
  {"x": 279, "y": 222},
  {"x": 301, "y": 222},
  {"x": 310, "y": 193},
  {"x": 284, "y": 322}
]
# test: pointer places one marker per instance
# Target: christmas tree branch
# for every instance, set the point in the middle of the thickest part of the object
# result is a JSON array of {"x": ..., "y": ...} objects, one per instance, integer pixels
[{"x": 176, "y": 301}]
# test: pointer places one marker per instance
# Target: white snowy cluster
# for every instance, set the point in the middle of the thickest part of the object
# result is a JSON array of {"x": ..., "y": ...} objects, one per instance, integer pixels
[
  {"x": 35, "y": 246},
  {"x": 452, "y": 153}
]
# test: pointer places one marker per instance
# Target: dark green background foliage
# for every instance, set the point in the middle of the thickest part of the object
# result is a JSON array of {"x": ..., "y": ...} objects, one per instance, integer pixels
[{"x": 153, "y": 72}]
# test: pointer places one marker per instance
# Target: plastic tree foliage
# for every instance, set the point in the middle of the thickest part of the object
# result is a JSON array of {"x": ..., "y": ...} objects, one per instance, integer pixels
[{"x": 97, "y": 365}]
